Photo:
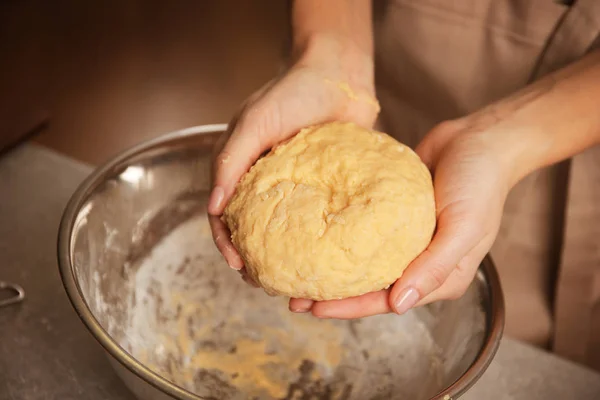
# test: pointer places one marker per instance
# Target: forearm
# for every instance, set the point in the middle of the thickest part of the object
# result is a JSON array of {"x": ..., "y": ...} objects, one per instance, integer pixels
[
  {"x": 334, "y": 31},
  {"x": 552, "y": 119},
  {"x": 347, "y": 20}
]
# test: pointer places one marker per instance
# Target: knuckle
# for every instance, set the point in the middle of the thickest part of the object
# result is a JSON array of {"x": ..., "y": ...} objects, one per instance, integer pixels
[
  {"x": 251, "y": 124},
  {"x": 245, "y": 124},
  {"x": 252, "y": 114},
  {"x": 464, "y": 273},
  {"x": 479, "y": 228},
  {"x": 446, "y": 127},
  {"x": 222, "y": 158},
  {"x": 262, "y": 121},
  {"x": 437, "y": 275}
]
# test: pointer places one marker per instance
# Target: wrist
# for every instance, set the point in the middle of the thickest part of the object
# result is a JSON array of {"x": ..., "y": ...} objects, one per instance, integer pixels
[
  {"x": 348, "y": 20},
  {"x": 549, "y": 121},
  {"x": 336, "y": 38},
  {"x": 521, "y": 129},
  {"x": 338, "y": 58},
  {"x": 517, "y": 147}
]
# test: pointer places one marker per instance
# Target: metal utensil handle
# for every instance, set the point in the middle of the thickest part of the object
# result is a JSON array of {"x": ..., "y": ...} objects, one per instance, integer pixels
[{"x": 19, "y": 293}]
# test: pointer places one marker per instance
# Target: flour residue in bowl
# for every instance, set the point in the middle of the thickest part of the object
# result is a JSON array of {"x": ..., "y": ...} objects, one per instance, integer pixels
[{"x": 192, "y": 320}]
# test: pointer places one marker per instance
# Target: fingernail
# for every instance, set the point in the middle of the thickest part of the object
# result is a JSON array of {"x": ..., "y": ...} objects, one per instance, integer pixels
[
  {"x": 302, "y": 308},
  {"x": 299, "y": 310},
  {"x": 407, "y": 300},
  {"x": 216, "y": 198}
]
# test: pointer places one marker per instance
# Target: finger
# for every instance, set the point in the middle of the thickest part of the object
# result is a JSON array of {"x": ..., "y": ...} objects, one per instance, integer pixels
[
  {"x": 248, "y": 135},
  {"x": 221, "y": 157},
  {"x": 222, "y": 239},
  {"x": 461, "y": 277},
  {"x": 249, "y": 139},
  {"x": 278, "y": 112},
  {"x": 247, "y": 278},
  {"x": 300, "y": 305},
  {"x": 220, "y": 144},
  {"x": 454, "y": 287},
  {"x": 220, "y": 233},
  {"x": 355, "y": 307},
  {"x": 453, "y": 240},
  {"x": 223, "y": 139}
]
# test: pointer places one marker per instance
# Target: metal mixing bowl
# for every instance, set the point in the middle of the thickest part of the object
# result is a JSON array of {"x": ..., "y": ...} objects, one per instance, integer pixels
[{"x": 139, "y": 266}]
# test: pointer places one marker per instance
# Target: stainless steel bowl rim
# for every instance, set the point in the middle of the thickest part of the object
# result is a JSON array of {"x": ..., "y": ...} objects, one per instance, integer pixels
[{"x": 75, "y": 294}]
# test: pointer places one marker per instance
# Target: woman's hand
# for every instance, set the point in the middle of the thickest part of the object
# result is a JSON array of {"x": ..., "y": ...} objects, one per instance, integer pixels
[
  {"x": 475, "y": 161},
  {"x": 472, "y": 177},
  {"x": 330, "y": 81}
]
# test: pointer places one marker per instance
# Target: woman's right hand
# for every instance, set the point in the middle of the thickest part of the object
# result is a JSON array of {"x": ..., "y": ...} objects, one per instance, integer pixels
[{"x": 329, "y": 81}]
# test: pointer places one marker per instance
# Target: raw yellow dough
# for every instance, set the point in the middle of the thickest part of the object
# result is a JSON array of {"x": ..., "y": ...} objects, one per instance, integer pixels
[{"x": 335, "y": 212}]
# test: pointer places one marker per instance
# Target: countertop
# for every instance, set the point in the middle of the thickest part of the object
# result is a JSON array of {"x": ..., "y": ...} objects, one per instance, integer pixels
[{"x": 46, "y": 353}]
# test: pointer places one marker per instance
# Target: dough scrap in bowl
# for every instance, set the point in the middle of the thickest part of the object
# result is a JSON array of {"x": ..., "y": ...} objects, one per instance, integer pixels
[{"x": 335, "y": 212}]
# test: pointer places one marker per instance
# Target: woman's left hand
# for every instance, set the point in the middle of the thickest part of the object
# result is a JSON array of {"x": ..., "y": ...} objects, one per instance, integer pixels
[
  {"x": 472, "y": 174},
  {"x": 475, "y": 161}
]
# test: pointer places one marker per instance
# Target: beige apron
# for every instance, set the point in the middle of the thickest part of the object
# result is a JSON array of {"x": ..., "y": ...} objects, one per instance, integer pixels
[{"x": 440, "y": 59}]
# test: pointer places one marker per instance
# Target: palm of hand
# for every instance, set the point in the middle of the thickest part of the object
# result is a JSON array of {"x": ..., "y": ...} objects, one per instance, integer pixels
[{"x": 470, "y": 186}]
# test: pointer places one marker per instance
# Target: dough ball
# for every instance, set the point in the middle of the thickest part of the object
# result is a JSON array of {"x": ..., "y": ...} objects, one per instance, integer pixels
[{"x": 337, "y": 211}]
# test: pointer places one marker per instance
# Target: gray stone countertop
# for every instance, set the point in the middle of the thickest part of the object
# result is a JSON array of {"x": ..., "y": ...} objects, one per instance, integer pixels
[{"x": 46, "y": 352}]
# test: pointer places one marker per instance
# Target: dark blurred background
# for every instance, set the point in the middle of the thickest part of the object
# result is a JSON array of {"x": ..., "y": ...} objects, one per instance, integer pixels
[{"x": 112, "y": 73}]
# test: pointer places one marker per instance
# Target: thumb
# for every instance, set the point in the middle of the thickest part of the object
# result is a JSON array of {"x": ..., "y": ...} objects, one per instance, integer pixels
[
  {"x": 453, "y": 240},
  {"x": 273, "y": 117},
  {"x": 250, "y": 135}
]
